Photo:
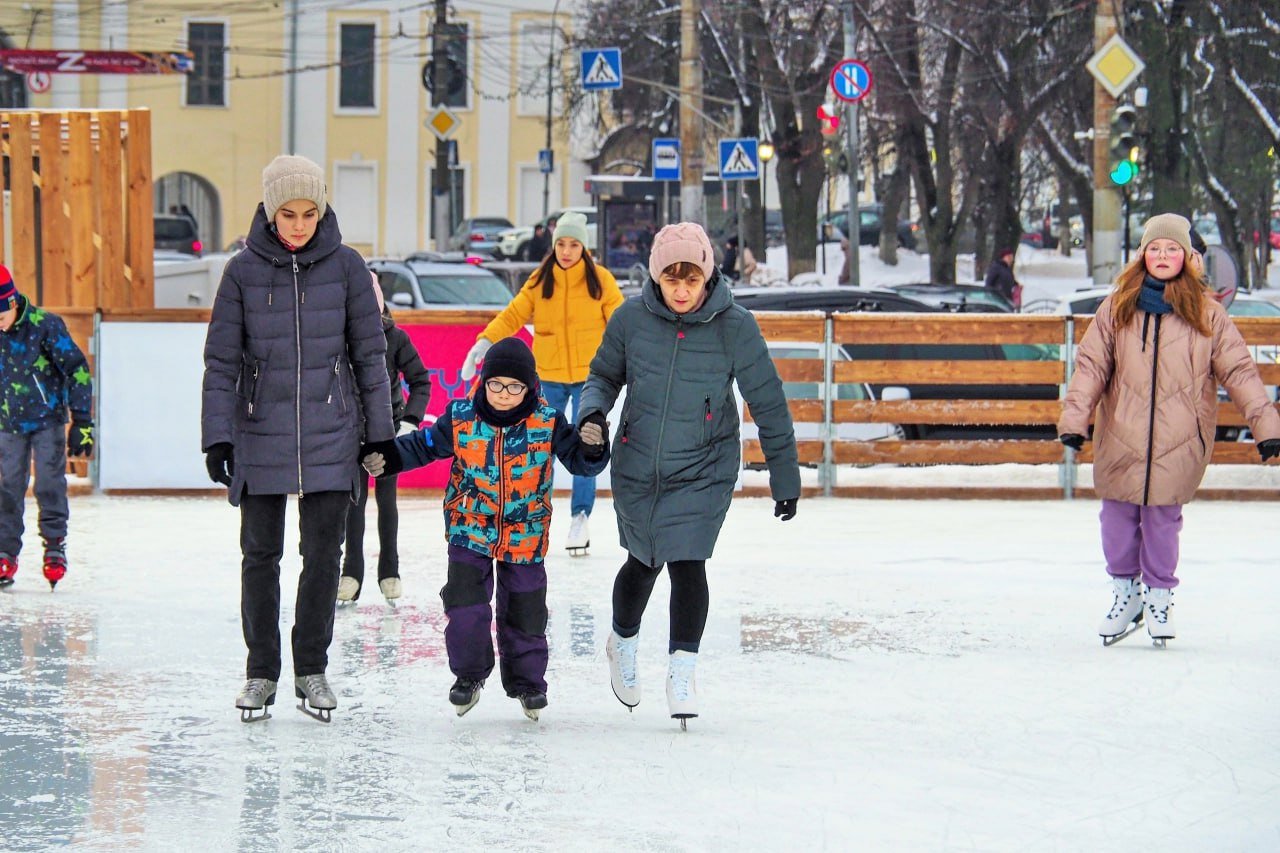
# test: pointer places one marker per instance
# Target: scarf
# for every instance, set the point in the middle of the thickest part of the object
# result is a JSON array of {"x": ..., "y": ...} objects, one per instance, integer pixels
[{"x": 1151, "y": 296}]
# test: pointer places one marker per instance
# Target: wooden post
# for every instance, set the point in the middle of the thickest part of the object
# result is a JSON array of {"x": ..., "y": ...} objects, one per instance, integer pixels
[
  {"x": 140, "y": 227},
  {"x": 83, "y": 220},
  {"x": 54, "y": 239},
  {"x": 113, "y": 291},
  {"x": 22, "y": 198}
]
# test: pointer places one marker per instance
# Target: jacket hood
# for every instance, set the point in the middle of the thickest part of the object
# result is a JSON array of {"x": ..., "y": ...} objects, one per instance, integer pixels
[
  {"x": 719, "y": 297},
  {"x": 263, "y": 241}
]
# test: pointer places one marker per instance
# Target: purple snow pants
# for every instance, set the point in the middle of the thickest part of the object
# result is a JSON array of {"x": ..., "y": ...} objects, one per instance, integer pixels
[
  {"x": 522, "y": 620},
  {"x": 1141, "y": 540}
]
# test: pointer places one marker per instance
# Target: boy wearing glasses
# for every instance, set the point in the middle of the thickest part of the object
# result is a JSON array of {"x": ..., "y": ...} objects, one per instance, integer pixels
[{"x": 504, "y": 439}]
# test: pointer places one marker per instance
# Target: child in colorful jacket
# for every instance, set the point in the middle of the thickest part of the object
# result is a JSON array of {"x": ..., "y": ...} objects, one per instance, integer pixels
[
  {"x": 42, "y": 375},
  {"x": 503, "y": 440}
]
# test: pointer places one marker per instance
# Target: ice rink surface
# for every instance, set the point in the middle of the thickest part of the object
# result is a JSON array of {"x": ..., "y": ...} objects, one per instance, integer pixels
[{"x": 876, "y": 675}]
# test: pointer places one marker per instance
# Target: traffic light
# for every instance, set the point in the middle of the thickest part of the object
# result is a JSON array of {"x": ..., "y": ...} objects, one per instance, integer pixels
[{"x": 1124, "y": 144}]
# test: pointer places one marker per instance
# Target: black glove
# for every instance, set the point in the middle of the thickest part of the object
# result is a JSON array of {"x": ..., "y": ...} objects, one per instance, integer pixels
[
  {"x": 594, "y": 431},
  {"x": 785, "y": 510},
  {"x": 1269, "y": 448},
  {"x": 80, "y": 439},
  {"x": 381, "y": 459},
  {"x": 1073, "y": 440},
  {"x": 220, "y": 460}
]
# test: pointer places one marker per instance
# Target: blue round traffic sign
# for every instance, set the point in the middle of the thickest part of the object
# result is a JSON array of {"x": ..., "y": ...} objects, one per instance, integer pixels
[{"x": 851, "y": 80}]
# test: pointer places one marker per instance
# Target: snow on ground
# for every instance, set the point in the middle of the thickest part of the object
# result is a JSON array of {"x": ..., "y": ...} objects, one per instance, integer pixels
[{"x": 876, "y": 675}]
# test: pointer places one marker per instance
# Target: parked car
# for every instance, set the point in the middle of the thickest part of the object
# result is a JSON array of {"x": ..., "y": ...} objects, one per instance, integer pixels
[
  {"x": 478, "y": 234},
  {"x": 513, "y": 243},
  {"x": 825, "y": 299},
  {"x": 869, "y": 223},
  {"x": 430, "y": 284},
  {"x": 957, "y": 298},
  {"x": 178, "y": 234},
  {"x": 856, "y": 299}
]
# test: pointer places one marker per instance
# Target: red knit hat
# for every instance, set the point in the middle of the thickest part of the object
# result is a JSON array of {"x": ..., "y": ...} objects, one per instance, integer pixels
[{"x": 8, "y": 292}]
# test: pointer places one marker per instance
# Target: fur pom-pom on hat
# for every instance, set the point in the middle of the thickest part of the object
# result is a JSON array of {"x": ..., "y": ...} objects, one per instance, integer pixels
[
  {"x": 681, "y": 242},
  {"x": 290, "y": 177}
]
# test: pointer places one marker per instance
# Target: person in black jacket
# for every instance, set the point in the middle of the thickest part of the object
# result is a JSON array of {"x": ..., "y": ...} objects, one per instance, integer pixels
[
  {"x": 295, "y": 376},
  {"x": 1000, "y": 278},
  {"x": 402, "y": 361}
]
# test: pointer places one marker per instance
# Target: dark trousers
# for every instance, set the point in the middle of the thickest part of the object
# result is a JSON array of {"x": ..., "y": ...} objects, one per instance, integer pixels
[
  {"x": 48, "y": 447},
  {"x": 322, "y": 519},
  {"x": 384, "y": 495},
  {"x": 689, "y": 600},
  {"x": 522, "y": 620}
]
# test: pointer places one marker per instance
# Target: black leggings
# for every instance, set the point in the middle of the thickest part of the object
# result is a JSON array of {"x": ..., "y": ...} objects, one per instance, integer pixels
[{"x": 689, "y": 600}]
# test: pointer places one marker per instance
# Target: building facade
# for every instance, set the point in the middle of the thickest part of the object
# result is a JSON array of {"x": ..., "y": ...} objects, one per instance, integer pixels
[{"x": 341, "y": 83}]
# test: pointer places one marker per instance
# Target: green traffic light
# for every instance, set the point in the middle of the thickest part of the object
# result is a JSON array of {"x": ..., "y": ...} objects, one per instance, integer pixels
[{"x": 1124, "y": 172}]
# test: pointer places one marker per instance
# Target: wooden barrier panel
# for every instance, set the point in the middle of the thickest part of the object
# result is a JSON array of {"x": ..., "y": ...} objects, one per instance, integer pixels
[{"x": 947, "y": 328}]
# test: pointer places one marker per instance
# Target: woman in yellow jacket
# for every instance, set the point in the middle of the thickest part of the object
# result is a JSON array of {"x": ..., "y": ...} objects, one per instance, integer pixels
[{"x": 569, "y": 299}]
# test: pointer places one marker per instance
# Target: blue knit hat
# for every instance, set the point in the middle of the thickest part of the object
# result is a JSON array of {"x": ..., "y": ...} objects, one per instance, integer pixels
[{"x": 8, "y": 291}]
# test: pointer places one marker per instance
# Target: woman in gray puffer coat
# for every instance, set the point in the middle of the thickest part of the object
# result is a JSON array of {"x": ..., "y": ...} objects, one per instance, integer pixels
[
  {"x": 676, "y": 457},
  {"x": 294, "y": 371}
]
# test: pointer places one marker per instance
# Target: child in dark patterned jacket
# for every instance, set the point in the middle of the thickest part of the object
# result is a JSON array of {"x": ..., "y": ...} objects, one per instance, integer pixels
[
  {"x": 43, "y": 376},
  {"x": 504, "y": 440}
]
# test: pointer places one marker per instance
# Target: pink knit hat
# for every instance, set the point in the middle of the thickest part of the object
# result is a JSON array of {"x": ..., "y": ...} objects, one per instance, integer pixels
[{"x": 683, "y": 241}]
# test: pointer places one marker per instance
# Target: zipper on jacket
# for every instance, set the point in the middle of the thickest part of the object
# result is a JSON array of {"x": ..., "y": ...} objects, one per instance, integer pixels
[
  {"x": 253, "y": 395},
  {"x": 502, "y": 486},
  {"x": 44, "y": 397},
  {"x": 706, "y": 421},
  {"x": 1151, "y": 421},
  {"x": 662, "y": 426},
  {"x": 297, "y": 396}
]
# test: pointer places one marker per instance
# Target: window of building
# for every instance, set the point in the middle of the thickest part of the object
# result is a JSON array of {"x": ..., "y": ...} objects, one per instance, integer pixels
[
  {"x": 356, "y": 73},
  {"x": 206, "y": 83}
]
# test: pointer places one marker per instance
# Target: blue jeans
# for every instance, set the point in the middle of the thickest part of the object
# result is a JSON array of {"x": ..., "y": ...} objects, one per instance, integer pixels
[{"x": 558, "y": 395}]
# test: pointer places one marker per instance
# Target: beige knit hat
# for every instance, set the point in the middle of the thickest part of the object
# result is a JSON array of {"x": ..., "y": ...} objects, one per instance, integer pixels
[
  {"x": 290, "y": 177},
  {"x": 1167, "y": 226},
  {"x": 683, "y": 241}
]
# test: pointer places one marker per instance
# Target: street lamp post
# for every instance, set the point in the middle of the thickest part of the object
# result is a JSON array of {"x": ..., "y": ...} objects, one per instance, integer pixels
[
  {"x": 765, "y": 150},
  {"x": 551, "y": 55}
]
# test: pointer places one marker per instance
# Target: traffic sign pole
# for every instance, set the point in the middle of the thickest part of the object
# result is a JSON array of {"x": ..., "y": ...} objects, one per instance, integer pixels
[{"x": 852, "y": 225}]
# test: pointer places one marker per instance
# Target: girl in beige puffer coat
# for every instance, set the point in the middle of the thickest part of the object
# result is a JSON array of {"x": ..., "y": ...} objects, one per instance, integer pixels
[{"x": 1151, "y": 362}]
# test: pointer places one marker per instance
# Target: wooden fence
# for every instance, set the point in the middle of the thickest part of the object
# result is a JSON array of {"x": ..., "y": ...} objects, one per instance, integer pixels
[
  {"x": 1047, "y": 334},
  {"x": 81, "y": 227}
]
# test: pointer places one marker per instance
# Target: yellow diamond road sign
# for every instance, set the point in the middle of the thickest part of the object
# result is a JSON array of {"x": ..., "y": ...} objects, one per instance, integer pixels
[
  {"x": 1115, "y": 66},
  {"x": 443, "y": 122}
]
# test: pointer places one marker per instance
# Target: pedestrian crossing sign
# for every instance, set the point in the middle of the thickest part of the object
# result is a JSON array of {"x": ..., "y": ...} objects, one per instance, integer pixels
[
  {"x": 739, "y": 160},
  {"x": 601, "y": 68}
]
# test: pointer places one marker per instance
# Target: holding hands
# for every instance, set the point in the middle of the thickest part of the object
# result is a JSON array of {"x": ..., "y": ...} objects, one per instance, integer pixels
[
  {"x": 381, "y": 459},
  {"x": 473, "y": 358},
  {"x": 594, "y": 432}
]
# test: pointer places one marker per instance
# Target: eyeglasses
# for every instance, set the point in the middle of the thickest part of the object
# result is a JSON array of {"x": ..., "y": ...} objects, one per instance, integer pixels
[
  {"x": 1165, "y": 253},
  {"x": 512, "y": 388}
]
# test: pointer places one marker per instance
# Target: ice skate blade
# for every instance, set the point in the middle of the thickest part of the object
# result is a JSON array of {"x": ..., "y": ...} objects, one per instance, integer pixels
[
  {"x": 462, "y": 709},
  {"x": 577, "y": 552},
  {"x": 1159, "y": 642},
  {"x": 247, "y": 716},
  {"x": 531, "y": 713},
  {"x": 321, "y": 714},
  {"x": 6, "y": 582},
  {"x": 624, "y": 704},
  {"x": 1133, "y": 626},
  {"x": 684, "y": 720}
]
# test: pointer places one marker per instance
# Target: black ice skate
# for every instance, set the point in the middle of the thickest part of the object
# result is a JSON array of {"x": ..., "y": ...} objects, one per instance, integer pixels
[
  {"x": 532, "y": 702},
  {"x": 258, "y": 694},
  {"x": 464, "y": 694},
  {"x": 314, "y": 691}
]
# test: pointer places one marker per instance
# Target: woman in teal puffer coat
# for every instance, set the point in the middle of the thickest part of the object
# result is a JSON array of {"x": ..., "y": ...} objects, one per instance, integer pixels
[{"x": 677, "y": 453}]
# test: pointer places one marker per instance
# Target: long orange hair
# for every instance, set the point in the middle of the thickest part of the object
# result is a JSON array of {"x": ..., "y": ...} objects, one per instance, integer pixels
[{"x": 1185, "y": 292}]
